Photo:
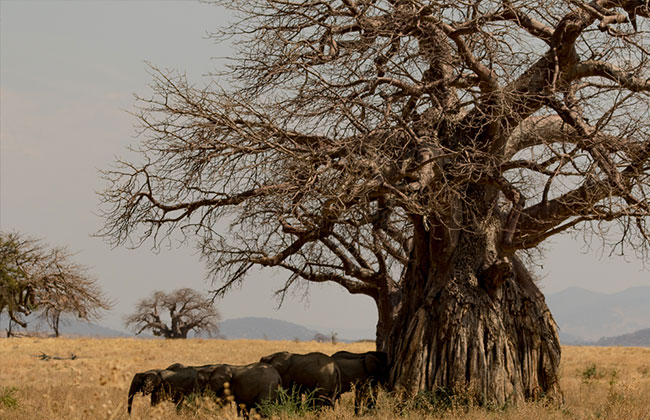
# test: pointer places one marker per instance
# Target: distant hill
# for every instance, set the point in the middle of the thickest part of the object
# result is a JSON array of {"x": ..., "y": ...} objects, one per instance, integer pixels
[
  {"x": 584, "y": 316},
  {"x": 68, "y": 327},
  {"x": 250, "y": 327},
  {"x": 264, "y": 328},
  {"x": 639, "y": 338}
]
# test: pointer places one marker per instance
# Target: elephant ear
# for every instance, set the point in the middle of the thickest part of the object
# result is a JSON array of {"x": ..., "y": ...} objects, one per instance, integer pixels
[
  {"x": 219, "y": 377},
  {"x": 136, "y": 383}
]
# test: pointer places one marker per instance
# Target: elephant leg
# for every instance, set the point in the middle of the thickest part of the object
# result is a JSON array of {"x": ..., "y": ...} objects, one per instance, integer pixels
[
  {"x": 330, "y": 400},
  {"x": 365, "y": 395},
  {"x": 374, "y": 393},
  {"x": 358, "y": 398},
  {"x": 155, "y": 397},
  {"x": 243, "y": 410},
  {"x": 178, "y": 400}
]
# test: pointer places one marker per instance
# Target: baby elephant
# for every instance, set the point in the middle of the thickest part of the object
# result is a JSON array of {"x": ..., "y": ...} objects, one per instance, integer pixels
[
  {"x": 164, "y": 383},
  {"x": 249, "y": 385},
  {"x": 308, "y": 372}
]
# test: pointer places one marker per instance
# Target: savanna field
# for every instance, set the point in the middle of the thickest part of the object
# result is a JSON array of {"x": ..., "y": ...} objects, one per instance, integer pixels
[{"x": 598, "y": 382}]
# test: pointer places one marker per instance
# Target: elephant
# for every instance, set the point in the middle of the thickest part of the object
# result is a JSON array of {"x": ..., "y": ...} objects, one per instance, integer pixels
[
  {"x": 316, "y": 372},
  {"x": 249, "y": 384},
  {"x": 163, "y": 383},
  {"x": 364, "y": 371}
]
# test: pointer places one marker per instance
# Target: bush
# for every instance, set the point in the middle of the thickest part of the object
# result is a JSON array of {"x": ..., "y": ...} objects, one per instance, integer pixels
[
  {"x": 7, "y": 397},
  {"x": 290, "y": 402},
  {"x": 438, "y": 400},
  {"x": 590, "y": 373}
]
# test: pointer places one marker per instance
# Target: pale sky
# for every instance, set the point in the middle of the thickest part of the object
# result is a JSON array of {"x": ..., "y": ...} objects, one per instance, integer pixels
[{"x": 68, "y": 72}]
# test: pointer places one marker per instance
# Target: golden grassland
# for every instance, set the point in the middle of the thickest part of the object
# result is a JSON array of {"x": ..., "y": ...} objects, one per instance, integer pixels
[{"x": 598, "y": 382}]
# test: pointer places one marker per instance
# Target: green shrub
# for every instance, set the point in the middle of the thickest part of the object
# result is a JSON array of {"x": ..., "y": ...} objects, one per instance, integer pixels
[
  {"x": 438, "y": 400},
  {"x": 7, "y": 397},
  {"x": 590, "y": 373},
  {"x": 290, "y": 402}
]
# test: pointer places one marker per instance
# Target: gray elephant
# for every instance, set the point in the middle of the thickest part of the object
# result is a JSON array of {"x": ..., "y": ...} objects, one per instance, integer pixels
[
  {"x": 249, "y": 385},
  {"x": 364, "y": 371},
  {"x": 167, "y": 384},
  {"x": 316, "y": 372}
]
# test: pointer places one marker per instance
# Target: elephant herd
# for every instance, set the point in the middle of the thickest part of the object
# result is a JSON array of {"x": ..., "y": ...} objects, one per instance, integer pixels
[{"x": 325, "y": 377}]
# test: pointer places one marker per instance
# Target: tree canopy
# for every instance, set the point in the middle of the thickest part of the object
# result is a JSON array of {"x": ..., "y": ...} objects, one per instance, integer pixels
[{"x": 344, "y": 123}]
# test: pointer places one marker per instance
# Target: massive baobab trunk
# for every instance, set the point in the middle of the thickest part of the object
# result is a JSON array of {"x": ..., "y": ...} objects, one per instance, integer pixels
[{"x": 472, "y": 322}]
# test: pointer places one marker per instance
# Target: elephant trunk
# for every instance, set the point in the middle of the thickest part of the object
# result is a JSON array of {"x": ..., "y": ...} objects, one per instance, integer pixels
[
  {"x": 136, "y": 386},
  {"x": 130, "y": 403}
]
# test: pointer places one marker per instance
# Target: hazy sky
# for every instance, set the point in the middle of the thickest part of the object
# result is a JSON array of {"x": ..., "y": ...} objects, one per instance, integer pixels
[{"x": 69, "y": 70}]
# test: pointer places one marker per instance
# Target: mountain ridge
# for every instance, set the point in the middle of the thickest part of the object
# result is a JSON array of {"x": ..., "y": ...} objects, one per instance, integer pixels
[
  {"x": 265, "y": 328},
  {"x": 584, "y": 316},
  {"x": 68, "y": 327}
]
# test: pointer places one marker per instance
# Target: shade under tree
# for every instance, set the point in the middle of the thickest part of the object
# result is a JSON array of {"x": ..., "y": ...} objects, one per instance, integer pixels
[{"x": 418, "y": 152}]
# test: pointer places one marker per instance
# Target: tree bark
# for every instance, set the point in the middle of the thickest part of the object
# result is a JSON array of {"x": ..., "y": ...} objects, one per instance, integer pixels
[
  {"x": 387, "y": 309},
  {"x": 55, "y": 323},
  {"x": 472, "y": 322}
]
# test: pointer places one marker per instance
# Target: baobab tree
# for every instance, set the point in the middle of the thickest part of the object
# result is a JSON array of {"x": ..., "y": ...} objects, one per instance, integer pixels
[
  {"x": 174, "y": 314},
  {"x": 412, "y": 151}
]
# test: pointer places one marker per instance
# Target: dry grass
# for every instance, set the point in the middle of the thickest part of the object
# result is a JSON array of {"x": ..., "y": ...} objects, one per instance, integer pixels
[{"x": 607, "y": 383}]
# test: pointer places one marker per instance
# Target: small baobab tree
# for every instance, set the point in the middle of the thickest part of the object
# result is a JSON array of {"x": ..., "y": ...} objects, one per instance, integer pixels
[
  {"x": 174, "y": 314},
  {"x": 412, "y": 151}
]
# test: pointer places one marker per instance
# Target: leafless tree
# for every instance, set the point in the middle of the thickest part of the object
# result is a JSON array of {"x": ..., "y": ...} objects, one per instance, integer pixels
[
  {"x": 35, "y": 277},
  {"x": 187, "y": 309},
  {"x": 70, "y": 290},
  {"x": 412, "y": 151}
]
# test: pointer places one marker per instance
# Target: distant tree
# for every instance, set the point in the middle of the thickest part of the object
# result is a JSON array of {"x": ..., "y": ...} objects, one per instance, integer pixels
[
  {"x": 320, "y": 338},
  {"x": 74, "y": 293},
  {"x": 188, "y": 310},
  {"x": 17, "y": 295},
  {"x": 34, "y": 277}
]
